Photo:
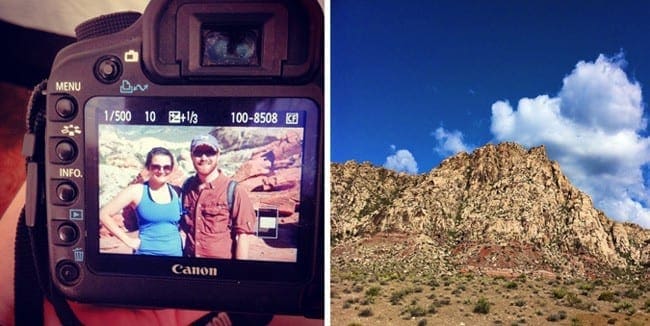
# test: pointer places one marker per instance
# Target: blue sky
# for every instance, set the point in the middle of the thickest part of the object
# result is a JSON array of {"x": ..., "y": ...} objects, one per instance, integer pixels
[{"x": 415, "y": 82}]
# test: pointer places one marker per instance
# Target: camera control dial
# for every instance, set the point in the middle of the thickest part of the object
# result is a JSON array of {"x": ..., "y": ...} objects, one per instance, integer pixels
[{"x": 106, "y": 24}]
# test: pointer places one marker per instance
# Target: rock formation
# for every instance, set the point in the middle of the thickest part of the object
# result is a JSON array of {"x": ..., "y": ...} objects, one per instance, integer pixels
[{"x": 502, "y": 206}]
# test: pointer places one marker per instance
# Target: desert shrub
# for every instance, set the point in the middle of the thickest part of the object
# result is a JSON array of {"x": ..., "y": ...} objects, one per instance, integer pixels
[
  {"x": 561, "y": 315},
  {"x": 482, "y": 306},
  {"x": 433, "y": 284},
  {"x": 598, "y": 282},
  {"x": 366, "y": 312},
  {"x": 625, "y": 307},
  {"x": 586, "y": 287},
  {"x": 422, "y": 322},
  {"x": 576, "y": 322},
  {"x": 520, "y": 303},
  {"x": 607, "y": 296},
  {"x": 511, "y": 285},
  {"x": 632, "y": 294},
  {"x": 559, "y": 293},
  {"x": 367, "y": 301},
  {"x": 349, "y": 302},
  {"x": 416, "y": 311},
  {"x": 572, "y": 300},
  {"x": 373, "y": 291},
  {"x": 397, "y": 296},
  {"x": 644, "y": 287},
  {"x": 442, "y": 302}
]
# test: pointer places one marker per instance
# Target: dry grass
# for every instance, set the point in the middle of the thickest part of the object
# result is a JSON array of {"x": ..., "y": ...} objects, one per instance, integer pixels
[{"x": 486, "y": 300}]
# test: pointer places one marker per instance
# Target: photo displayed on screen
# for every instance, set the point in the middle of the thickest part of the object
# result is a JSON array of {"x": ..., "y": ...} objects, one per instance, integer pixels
[{"x": 170, "y": 211}]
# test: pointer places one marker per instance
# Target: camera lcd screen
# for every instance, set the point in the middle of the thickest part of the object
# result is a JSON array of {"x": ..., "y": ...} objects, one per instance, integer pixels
[{"x": 268, "y": 146}]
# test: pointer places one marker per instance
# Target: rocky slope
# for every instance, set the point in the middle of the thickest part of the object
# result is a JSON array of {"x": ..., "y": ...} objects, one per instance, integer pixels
[{"x": 503, "y": 207}]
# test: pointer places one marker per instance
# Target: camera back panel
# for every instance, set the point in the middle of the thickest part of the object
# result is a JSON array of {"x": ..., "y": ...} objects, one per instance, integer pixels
[{"x": 249, "y": 73}]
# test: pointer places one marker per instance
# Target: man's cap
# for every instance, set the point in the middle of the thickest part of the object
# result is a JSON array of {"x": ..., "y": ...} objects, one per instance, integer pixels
[{"x": 205, "y": 140}]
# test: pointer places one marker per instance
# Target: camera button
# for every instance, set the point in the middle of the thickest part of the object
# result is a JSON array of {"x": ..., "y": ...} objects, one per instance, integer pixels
[
  {"x": 66, "y": 151},
  {"x": 66, "y": 108},
  {"x": 68, "y": 272},
  {"x": 67, "y": 234},
  {"x": 108, "y": 69},
  {"x": 66, "y": 192}
]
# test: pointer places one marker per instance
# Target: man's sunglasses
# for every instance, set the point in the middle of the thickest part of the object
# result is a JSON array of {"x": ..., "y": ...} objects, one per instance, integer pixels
[{"x": 204, "y": 151}]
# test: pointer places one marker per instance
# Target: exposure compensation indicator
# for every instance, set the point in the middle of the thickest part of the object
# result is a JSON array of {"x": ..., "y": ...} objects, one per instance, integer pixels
[{"x": 181, "y": 117}]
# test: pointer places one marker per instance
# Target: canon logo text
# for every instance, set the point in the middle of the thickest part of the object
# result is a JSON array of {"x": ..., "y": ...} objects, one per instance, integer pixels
[{"x": 194, "y": 270}]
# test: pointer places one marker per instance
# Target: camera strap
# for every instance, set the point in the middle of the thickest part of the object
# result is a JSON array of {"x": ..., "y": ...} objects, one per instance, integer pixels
[{"x": 32, "y": 281}]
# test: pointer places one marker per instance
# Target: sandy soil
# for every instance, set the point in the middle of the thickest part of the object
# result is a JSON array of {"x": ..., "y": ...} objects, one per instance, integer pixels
[{"x": 452, "y": 300}]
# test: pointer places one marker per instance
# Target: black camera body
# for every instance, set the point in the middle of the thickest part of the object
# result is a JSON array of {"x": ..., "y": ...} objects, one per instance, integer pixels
[{"x": 250, "y": 73}]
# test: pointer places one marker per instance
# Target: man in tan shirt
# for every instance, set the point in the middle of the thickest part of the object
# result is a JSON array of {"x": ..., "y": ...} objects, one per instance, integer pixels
[{"x": 213, "y": 229}]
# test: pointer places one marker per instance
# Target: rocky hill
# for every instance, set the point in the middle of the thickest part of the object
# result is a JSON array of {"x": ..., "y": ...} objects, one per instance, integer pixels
[{"x": 502, "y": 208}]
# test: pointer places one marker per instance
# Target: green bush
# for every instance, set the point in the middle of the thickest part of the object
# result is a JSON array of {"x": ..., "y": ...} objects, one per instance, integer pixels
[
  {"x": 482, "y": 306},
  {"x": 573, "y": 300},
  {"x": 559, "y": 293},
  {"x": 625, "y": 307},
  {"x": 373, "y": 291},
  {"x": 586, "y": 287},
  {"x": 607, "y": 296}
]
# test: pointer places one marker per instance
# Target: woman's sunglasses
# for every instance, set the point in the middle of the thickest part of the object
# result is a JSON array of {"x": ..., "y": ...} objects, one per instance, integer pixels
[{"x": 157, "y": 167}]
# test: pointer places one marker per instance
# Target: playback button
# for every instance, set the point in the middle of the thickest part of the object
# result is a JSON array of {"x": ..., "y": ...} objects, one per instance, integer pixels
[{"x": 63, "y": 192}]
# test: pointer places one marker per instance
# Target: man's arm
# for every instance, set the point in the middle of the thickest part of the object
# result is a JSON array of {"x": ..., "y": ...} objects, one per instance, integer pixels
[
  {"x": 243, "y": 241},
  {"x": 244, "y": 223}
]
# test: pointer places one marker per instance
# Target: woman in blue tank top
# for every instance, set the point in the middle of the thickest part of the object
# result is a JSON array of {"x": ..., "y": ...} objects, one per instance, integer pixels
[{"x": 158, "y": 207}]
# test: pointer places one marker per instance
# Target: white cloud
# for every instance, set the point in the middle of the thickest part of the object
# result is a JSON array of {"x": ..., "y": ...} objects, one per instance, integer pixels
[
  {"x": 449, "y": 142},
  {"x": 401, "y": 161},
  {"x": 592, "y": 128}
]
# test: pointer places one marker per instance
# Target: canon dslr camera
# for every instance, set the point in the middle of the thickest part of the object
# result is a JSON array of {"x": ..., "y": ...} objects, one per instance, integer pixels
[{"x": 240, "y": 80}]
